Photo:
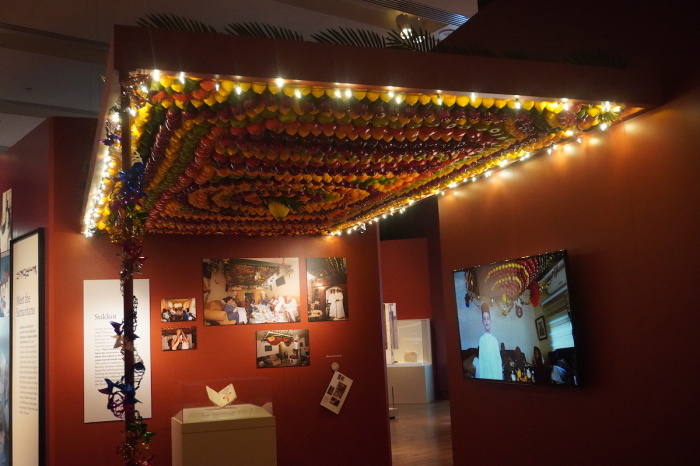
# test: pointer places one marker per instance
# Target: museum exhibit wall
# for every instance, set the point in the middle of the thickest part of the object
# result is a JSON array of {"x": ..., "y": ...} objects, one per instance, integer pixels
[
  {"x": 626, "y": 206},
  {"x": 406, "y": 278},
  {"x": 306, "y": 432}
]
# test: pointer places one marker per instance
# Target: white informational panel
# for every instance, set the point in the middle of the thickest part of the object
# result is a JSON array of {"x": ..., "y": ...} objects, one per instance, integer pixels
[
  {"x": 102, "y": 304},
  {"x": 27, "y": 347}
]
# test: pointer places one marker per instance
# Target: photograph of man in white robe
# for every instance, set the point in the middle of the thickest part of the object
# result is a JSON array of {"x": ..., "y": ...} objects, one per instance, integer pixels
[{"x": 489, "y": 365}]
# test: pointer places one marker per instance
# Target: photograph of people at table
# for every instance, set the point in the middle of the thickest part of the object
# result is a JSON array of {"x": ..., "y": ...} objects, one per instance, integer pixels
[
  {"x": 515, "y": 321},
  {"x": 251, "y": 291}
]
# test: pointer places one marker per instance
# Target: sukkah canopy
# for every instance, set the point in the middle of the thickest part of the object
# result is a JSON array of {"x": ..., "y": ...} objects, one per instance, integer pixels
[{"x": 250, "y": 136}]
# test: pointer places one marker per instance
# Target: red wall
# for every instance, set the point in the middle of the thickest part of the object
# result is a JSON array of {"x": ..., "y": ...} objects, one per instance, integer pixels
[
  {"x": 405, "y": 277},
  {"x": 307, "y": 433},
  {"x": 24, "y": 168},
  {"x": 626, "y": 206}
]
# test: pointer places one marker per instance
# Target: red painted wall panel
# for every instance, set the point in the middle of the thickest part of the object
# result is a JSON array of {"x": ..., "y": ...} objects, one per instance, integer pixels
[
  {"x": 626, "y": 206},
  {"x": 24, "y": 168},
  {"x": 405, "y": 278}
]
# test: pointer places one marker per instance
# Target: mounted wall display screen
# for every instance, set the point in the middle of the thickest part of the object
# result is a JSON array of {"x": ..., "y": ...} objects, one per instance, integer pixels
[{"x": 515, "y": 321}]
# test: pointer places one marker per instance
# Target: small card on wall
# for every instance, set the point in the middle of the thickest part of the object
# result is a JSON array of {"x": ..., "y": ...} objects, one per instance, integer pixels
[{"x": 336, "y": 392}]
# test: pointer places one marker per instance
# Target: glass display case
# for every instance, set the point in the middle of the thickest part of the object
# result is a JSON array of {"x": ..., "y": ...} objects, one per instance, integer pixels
[
  {"x": 414, "y": 346},
  {"x": 215, "y": 417},
  {"x": 409, "y": 367},
  {"x": 252, "y": 398}
]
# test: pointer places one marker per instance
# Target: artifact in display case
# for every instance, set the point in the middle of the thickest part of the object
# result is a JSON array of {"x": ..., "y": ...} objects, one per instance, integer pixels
[
  {"x": 414, "y": 342},
  {"x": 217, "y": 417}
]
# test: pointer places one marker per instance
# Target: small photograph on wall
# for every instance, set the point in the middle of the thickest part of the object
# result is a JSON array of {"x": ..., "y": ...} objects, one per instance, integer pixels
[
  {"x": 178, "y": 309},
  {"x": 251, "y": 291},
  {"x": 177, "y": 339},
  {"x": 6, "y": 221},
  {"x": 327, "y": 288},
  {"x": 282, "y": 348}
]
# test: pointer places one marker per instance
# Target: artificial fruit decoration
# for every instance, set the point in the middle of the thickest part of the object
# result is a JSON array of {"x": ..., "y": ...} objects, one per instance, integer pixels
[{"x": 278, "y": 210}]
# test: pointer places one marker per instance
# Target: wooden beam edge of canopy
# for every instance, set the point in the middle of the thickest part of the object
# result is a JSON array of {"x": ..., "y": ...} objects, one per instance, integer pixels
[{"x": 251, "y": 58}]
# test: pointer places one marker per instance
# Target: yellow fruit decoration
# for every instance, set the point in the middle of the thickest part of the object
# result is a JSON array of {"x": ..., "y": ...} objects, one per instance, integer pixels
[
  {"x": 411, "y": 99},
  {"x": 372, "y": 95},
  {"x": 226, "y": 85},
  {"x": 462, "y": 100},
  {"x": 259, "y": 88},
  {"x": 165, "y": 81},
  {"x": 555, "y": 107},
  {"x": 475, "y": 102},
  {"x": 449, "y": 100},
  {"x": 424, "y": 99}
]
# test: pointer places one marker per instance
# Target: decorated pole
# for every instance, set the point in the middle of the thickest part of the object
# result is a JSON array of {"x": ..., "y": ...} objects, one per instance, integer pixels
[
  {"x": 127, "y": 278},
  {"x": 126, "y": 216}
]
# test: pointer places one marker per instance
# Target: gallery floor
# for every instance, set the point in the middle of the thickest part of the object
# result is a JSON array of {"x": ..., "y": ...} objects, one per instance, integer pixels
[{"x": 420, "y": 435}]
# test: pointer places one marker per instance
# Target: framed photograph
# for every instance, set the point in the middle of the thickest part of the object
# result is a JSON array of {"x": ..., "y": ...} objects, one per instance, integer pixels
[
  {"x": 282, "y": 348},
  {"x": 327, "y": 288},
  {"x": 178, "y": 310},
  {"x": 251, "y": 291},
  {"x": 541, "y": 328},
  {"x": 6, "y": 221},
  {"x": 178, "y": 339}
]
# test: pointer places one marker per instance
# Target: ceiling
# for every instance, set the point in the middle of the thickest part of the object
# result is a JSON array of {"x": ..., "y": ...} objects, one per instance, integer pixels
[
  {"x": 231, "y": 134},
  {"x": 251, "y": 136},
  {"x": 46, "y": 44}
]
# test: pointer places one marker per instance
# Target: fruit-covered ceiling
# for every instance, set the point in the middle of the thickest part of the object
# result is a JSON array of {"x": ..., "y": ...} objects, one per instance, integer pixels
[{"x": 267, "y": 140}]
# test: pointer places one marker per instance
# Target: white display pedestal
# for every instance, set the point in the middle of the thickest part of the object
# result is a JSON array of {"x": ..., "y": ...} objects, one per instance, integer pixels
[
  {"x": 412, "y": 383},
  {"x": 210, "y": 436}
]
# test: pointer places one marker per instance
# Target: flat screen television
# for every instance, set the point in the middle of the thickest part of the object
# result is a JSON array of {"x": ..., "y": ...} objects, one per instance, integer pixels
[{"x": 515, "y": 321}]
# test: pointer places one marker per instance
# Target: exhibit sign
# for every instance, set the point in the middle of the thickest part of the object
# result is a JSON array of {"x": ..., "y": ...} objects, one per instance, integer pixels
[
  {"x": 103, "y": 303},
  {"x": 27, "y": 399}
]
